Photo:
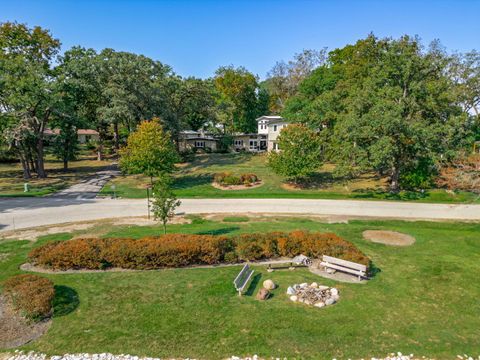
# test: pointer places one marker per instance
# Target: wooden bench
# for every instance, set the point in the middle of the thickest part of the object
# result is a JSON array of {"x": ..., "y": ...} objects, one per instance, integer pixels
[
  {"x": 242, "y": 278},
  {"x": 330, "y": 262}
]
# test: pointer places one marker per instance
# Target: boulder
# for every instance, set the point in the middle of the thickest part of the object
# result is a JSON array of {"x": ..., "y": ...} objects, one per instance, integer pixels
[
  {"x": 313, "y": 285},
  {"x": 294, "y": 297},
  {"x": 323, "y": 287},
  {"x": 290, "y": 291},
  {"x": 269, "y": 284},
  {"x": 334, "y": 291},
  {"x": 303, "y": 285},
  {"x": 329, "y": 301},
  {"x": 319, "y": 304},
  {"x": 263, "y": 294}
]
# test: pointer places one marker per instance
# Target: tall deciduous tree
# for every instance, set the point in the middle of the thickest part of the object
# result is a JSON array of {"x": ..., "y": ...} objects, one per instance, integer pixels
[
  {"x": 391, "y": 107},
  {"x": 299, "y": 155},
  {"x": 149, "y": 151},
  {"x": 238, "y": 98},
  {"x": 26, "y": 96},
  {"x": 284, "y": 78}
]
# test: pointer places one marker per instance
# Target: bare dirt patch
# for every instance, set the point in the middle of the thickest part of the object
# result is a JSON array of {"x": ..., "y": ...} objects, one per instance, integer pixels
[
  {"x": 15, "y": 330},
  {"x": 393, "y": 238},
  {"x": 237, "y": 187},
  {"x": 34, "y": 233},
  {"x": 144, "y": 221}
]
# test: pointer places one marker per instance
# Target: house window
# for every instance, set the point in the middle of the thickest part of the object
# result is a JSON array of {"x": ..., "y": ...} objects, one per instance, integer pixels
[
  {"x": 274, "y": 127},
  {"x": 238, "y": 142},
  {"x": 275, "y": 146},
  {"x": 200, "y": 144},
  {"x": 253, "y": 144}
]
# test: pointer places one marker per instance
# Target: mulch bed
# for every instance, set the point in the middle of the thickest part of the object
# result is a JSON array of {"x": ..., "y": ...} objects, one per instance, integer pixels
[{"x": 15, "y": 330}]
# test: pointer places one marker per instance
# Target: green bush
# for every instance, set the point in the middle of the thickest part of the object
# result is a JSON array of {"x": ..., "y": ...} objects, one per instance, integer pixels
[{"x": 227, "y": 178}]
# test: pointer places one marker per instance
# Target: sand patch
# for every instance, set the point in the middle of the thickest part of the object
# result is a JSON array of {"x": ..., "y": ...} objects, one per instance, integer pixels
[
  {"x": 15, "y": 330},
  {"x": 393, "y": 238},
  {"x": 144, "y": 221},
  {"x": 237, "y": 187},
  {"x": 33, "y": 234}
]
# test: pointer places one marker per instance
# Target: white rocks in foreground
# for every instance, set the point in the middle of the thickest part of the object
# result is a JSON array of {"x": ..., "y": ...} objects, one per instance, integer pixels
[{"x": 107, "y": 356}]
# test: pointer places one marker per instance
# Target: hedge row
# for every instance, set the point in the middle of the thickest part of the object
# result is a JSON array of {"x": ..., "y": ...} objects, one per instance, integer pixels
[
  {"x": 32, "y": 295},
  {"x": 177, "y": 250}
]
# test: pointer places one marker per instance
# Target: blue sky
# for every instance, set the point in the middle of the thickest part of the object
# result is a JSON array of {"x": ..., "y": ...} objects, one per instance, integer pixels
[{"x": 195, "y": 37}]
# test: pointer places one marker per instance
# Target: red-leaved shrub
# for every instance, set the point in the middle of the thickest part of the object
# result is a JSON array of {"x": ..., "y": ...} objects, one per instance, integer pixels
[
  {"x": 30, "y": 294},
  {"x": 177, "y": 250}
]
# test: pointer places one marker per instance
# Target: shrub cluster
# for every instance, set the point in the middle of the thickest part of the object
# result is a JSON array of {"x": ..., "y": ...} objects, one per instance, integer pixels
[
  {"x": 278, "y": 244},
  {"x": 177, "y": 250},
  {"x": 227, "y": 178},
  {"x": 30, "y": 294},
  {"x": 171, "y": 250}
]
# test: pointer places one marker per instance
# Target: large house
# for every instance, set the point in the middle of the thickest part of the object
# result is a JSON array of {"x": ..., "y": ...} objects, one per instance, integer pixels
[
  {"x": 265, "y": 139},
  {"x": 83, "y": 135}
]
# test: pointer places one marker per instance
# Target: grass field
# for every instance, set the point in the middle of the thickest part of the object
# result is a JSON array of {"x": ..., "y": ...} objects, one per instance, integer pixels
[
  {"x": 193, "y": 180},
  {"x": 424, "y": 300},
  {"x": 11, "y": 176}
]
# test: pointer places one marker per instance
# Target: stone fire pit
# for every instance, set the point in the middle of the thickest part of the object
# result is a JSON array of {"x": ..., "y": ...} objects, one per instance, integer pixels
[{"x": 313, "y": 294}]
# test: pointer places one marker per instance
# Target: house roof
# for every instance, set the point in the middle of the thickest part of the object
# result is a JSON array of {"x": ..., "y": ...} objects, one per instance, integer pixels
[
  {"x": 87, "y": 132},
  {"x": 269, "y": 118}
]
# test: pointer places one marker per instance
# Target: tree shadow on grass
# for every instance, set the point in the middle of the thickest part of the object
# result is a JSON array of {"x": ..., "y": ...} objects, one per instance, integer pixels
[
  {"x": 188, "y": 181},
  {"x": 379, "y": 193},
  {"x": 221, "y": 231},
  {"x": 65, "y": 302}
]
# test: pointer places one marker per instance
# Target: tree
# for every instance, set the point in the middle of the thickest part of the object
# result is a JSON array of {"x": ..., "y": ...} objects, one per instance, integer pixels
[
  {"x": 299, "y": 154},
  {"x": 384, "y": 105},
  {"x": 284, "y": 78},
  {"x": 237, "y": 91},
  {"x": 149, "y": 151},
  {"x": 164, "y": 201},
  {"x": 26, "y": 97}
]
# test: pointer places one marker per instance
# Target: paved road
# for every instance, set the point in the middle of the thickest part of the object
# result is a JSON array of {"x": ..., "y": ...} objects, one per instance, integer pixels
[
  {"x": 88, "y": 188},
  {"x": 29, "y": 212}
]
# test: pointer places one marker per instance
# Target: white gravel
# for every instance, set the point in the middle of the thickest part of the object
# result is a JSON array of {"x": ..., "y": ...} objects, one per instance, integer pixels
[{"x": 19, "y": 355}]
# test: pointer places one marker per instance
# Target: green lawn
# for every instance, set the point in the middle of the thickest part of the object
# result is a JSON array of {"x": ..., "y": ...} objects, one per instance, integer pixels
[
  {"x": 11, "y": 175},
  {"x": 424, "y": 300},
  {"x": 193, "y": 180}
]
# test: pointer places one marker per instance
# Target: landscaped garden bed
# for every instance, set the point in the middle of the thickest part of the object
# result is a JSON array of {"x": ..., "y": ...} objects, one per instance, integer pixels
[
  {"x": 180, "y": 250},
  {"x": 229, "y": 181}
]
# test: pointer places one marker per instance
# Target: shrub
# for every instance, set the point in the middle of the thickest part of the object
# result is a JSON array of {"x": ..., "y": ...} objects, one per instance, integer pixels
[
  {"x": 171, "y": 250},
  {"x": 227, "y": 178},
  {"x": 32, "y": 295},
  {"x": 249, "y": 178},
  {"x": 177, "y": 250}
]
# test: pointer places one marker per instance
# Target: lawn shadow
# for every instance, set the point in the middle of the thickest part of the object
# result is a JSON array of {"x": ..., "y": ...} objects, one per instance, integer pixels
[
  {"x": 253, "y": 284},
  {"x": 188, "y": 181},
  {"x": 379, "y": 193},
  {"x": 65, "y": 302},
  {"x": 221, "y": 231}
]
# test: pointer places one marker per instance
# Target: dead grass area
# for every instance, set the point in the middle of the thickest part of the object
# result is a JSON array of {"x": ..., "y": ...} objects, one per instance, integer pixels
[
  {"x": 84, "y": 229},
  {"x": 15, "y": 330},
  {"x": 392, "y": 238}
]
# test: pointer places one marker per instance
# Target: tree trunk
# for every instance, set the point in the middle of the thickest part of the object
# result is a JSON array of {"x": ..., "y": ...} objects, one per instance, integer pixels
[
  {"x": 26, "y": 170},
  {"x": 65, "y": 164},
  {"x": 394, "y": 179},
  {"x": 116, "y": 139},
  {"x": 40, "y": 164},
  {"x": 165, "y": 228}
]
